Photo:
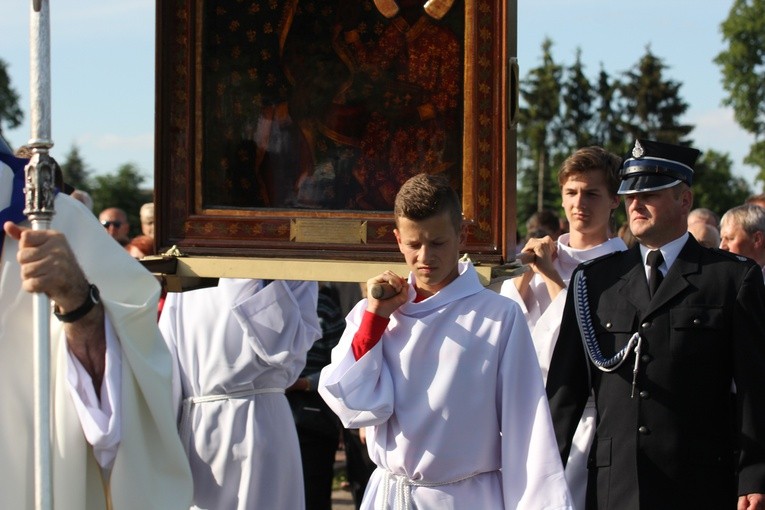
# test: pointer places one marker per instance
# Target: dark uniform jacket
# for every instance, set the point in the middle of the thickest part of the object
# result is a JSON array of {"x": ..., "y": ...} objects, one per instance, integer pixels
[{"x": 684, "y": 440}]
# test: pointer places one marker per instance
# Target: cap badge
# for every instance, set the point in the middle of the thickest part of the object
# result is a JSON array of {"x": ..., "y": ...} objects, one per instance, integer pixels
[{"x": 637, "y": 151}]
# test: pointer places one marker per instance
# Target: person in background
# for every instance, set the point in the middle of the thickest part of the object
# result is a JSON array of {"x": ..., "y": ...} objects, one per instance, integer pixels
[
  {"x": 662, "y": 333},
  {"x": 84, "y": 197},
  {"x": 707, "y": 235},
  {"x": 626, "y": 235},
  {"x": 113, "y": 435},
  {"x": 147, "y": 219},
  {"x": 588, "y": 183},
  {"x": 140, "y": 246},
  {"x": 318, "y": 428},
  {"x": 742, "y": 231},
  {"x": 116, "y": 224},
  {"x": 444, "y": 377},
  {"x": 756, "y": 200},
  {"x": 544, "y": 221},
  {"x": 705, "y": 216},
  {"x": 236, "y": 347}
]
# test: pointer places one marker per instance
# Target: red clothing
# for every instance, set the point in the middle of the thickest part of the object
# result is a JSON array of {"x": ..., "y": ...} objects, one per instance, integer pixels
[{"x": 371, "y": 330}]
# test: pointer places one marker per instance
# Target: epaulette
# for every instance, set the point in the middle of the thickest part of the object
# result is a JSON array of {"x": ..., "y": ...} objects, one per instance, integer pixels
[{"x": 734, "y": 256}]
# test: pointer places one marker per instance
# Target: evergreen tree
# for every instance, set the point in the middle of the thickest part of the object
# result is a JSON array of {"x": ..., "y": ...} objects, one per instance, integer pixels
[
  {"x": 76, "y": 172},
  {"x": 578, "y": 102},
  {"x": 539, "y": 122},
  {"x": 607, "y": 129},
  {"x": 10, "y": 112},
  {"x": 743, "y": 70},
  {"x": 714, "y": 185},
  {"x": 122, "y": 190},
  {"x": 651, "y": 104}
]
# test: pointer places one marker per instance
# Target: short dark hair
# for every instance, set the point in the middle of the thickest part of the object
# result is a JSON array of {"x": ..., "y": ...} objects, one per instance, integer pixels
[
  {"x": 592, "y": 159},
  {"x": 424, "y": 196}
]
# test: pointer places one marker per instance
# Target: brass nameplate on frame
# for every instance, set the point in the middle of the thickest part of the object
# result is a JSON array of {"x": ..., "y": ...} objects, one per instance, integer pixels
[{"x": 328, "y": 231}]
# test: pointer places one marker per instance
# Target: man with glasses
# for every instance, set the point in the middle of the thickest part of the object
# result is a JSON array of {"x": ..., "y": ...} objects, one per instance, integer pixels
[{"x": 115, "y": 222}]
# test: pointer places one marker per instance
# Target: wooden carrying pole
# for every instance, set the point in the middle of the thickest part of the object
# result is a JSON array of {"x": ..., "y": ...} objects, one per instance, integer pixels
[{"x": 39, "y": 192}]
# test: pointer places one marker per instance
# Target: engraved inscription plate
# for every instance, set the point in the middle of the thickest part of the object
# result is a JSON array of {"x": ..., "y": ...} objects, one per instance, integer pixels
[{"x": 328, "y": 231}]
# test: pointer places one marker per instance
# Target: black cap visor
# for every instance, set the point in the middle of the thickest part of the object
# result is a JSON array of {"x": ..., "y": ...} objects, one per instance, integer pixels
[{"x": 646, "y": 182}]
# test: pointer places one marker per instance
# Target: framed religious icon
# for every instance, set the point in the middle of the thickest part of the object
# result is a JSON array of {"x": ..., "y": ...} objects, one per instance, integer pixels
[{"x": 285, "y": 127}]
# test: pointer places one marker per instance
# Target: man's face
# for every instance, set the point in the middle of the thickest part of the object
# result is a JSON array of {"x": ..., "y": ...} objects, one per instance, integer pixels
[
  {"x": 587, "y": 203},
  {"x": 431, "y": 248},
  {"x": 147, "y": 226},
  {"x": 734, "y": 239},
  {"x": 658, "y": 217},
  {"x": 115, "y": 223}
]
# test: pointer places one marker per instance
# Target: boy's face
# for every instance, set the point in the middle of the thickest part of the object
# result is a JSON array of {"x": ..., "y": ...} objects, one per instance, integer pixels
[
  {"x": 587, "y": 202},
  {"x": 431, "y": 248}
]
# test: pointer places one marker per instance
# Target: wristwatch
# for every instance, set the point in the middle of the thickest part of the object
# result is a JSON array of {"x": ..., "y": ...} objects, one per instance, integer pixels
[{"x": 94, "y": 297}]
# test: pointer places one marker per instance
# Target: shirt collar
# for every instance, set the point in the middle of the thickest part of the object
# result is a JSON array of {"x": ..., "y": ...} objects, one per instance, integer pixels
[{"x": 669, "y": 251}]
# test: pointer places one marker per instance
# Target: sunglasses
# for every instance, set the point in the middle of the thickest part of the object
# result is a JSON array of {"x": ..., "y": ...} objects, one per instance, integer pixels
[{"x": 115, "y": 224}]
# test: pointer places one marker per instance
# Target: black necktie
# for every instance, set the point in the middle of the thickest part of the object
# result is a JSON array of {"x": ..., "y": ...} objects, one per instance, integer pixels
[{"x": 655, "y": 277}]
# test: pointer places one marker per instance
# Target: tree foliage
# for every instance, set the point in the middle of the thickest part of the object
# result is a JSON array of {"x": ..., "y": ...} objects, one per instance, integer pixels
[
  {"x": 10, "y": 111},
  {"x": 743, "y": 72},
  {"x": 714, "y": 185},
  {"x": 122, "y": 190},
  {"x": 76, "y": 172},
  {"x": 652, "y": 105},
  {"x": 563, "y": 110},
  {"x": 539, "y": 130}
]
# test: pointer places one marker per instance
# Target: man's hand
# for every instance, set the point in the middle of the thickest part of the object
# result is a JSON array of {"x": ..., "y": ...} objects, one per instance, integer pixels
[
  {"x": 751, "y": 502},
  {"x": 385, "y": 307},
  {"x": 48, "y": 266},
  {"x": 545, "y": 251}
]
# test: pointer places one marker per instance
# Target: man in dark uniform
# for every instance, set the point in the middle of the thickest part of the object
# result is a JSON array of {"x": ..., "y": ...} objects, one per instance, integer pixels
[{"x": 675, "y": 356}]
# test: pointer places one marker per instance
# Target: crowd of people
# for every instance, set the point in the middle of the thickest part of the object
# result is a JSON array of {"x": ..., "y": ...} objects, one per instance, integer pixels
[{"x": 624, "y": 368}]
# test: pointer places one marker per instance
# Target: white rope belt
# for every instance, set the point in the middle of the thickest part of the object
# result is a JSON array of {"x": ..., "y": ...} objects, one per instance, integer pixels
[
  {"x": 404, "y": 488},
  {"x": 190, "y": 402}
]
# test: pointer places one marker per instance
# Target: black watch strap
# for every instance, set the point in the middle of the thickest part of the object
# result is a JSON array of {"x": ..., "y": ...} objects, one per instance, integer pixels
[{"x": 92, "y": 300}]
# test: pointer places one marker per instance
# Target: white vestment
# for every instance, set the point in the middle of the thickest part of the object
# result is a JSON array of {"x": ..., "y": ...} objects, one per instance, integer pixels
[
  {"x": 237, "y": 346},
  {"x": 150, "y": 470},
  {"x": 454, "y": 403},
  {"x": 543, "y": 317}
]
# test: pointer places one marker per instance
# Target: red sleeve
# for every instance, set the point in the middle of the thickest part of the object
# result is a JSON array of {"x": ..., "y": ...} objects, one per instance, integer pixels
[{"x": 370, "y": 331}]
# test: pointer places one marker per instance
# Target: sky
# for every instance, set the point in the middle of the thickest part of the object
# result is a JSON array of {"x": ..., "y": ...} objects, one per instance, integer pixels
[{"x": 103, "y": 67}]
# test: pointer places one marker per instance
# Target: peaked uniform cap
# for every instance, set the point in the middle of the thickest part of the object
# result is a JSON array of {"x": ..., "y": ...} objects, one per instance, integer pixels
[{"x": 652, "y": 166}]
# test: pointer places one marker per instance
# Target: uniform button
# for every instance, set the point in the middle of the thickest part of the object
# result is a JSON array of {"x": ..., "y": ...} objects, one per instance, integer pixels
[
  {"x": 645, "y": 325},
  {"x": 644, "y": 394},
  {"x": 646, "y": 358},
  {"x": 608, "y": 325},
  {"x": 697, "y": 322},
  {"x": 644, "y": 430}
]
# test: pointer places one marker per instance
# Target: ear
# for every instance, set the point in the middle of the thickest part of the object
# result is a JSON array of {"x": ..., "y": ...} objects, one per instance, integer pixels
[
  {"x": 463, "y": 236},
  {"x": 615, "y": 201},
  {"x": 398, "y": 239},
  {"x": 758, "y": 239}
]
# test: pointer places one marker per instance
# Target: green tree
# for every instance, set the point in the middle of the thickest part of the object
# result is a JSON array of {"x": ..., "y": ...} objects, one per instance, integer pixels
[
  {"x": 714, "y": 185},
  {"x": 10, "y": 112},
  {"x": 651, "y": 104},
  {"x": 743, "y": 70},
  {"x": 122, "y": 190},
  {"x": 607, "y": 130},
  {"x": 578, "y": 103},
  {"x": 76, "y": 172},
  {"x": 539, "y": 130}
]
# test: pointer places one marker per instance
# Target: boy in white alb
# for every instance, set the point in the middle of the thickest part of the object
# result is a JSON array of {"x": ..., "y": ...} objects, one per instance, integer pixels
[
  {"x": 443, "y": 375},
  {"x": 588, "y": 181}
]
